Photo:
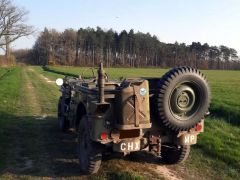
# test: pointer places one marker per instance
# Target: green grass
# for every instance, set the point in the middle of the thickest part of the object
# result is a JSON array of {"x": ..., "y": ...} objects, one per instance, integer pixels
[
  {"x": 9, "y": 98},
  {"x": 9, "y": 91},
  {"x": 225, "y": 87},
  {"x": 29, "y": 143},
  {"x": 2, "y": 71},
  {"x": 50, "y": 75},
  {"x": 48, "y": 93},
  {"x": 217, "y": 153},
  {"x": 113, "y": 73}
]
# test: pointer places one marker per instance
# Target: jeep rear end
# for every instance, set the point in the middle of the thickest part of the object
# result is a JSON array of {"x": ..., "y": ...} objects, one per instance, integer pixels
[{"x": 162, "y": 115}]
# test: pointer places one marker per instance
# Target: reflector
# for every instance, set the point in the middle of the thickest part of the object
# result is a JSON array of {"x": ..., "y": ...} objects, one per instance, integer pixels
[
  {"x": 198, "y": 127},
  {"x": 104, "y": 135}
]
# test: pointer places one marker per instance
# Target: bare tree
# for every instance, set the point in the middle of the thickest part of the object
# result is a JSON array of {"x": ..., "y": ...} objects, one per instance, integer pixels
[{"x": 12, "y": 24}]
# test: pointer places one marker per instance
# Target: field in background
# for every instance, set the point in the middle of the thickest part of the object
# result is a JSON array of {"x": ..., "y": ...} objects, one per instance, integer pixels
[{"x": 217, "y": 154}]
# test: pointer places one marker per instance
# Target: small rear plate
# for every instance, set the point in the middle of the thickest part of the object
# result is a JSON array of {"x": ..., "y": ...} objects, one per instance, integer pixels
[
  {"x": 188, "y": 139},
  {"x": 127, "y": 145}
]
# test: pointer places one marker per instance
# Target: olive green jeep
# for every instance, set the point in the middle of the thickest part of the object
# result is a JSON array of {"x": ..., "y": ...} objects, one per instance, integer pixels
[{"x": 161, "y": 115}]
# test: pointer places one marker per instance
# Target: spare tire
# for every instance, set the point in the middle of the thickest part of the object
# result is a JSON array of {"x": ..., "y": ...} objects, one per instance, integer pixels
[{"x": 183, "y": 98}]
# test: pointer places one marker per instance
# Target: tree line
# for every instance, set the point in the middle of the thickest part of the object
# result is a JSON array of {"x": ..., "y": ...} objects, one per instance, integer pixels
[{"x": 89, "y": 46}]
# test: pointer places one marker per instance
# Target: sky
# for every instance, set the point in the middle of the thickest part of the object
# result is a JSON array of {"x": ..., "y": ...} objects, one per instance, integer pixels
[{"x": 216, "y": 22}]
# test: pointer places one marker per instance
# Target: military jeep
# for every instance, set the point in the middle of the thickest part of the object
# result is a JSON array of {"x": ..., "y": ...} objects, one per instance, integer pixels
[{"x": 162, "y": 115}]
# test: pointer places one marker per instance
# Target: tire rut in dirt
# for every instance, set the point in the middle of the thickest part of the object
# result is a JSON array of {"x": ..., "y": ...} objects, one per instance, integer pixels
[{"x": 32, "y": 97}]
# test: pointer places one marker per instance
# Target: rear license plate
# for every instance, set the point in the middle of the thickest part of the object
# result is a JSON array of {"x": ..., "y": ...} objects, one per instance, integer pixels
[
  {"x": 127, "y": 145},
  {"x": 188, "y": 139}
]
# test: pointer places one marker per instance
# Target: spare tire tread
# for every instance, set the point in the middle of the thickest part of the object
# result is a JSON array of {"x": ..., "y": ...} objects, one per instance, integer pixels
[{"x": 166, "y": 81}]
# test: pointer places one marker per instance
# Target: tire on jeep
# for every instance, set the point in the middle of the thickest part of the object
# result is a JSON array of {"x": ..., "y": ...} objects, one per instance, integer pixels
[
  {"x": 182, "y": 98},
  {"x": 89, "y": 152},
  {"x": 62, "y": 121},
  {"x": 174, "y": 154}
]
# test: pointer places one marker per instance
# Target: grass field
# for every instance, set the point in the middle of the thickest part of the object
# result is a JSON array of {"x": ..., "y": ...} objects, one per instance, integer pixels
[
  {"x": 32, "y": 147},
  {"x": 2, "y": 71}
]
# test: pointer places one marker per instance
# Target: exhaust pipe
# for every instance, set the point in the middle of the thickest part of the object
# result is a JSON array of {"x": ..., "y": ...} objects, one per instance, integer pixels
[{"x": 101, "y": 81}]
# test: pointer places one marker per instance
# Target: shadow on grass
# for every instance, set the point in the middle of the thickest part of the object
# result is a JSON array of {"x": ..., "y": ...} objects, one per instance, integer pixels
[
  {"x": 8, "y": 71},
  {"x": 45, "y": 68},
  {"x": 86, "y": 75},
  {"x": 229, "y": 115},
  {"x": 33, "y": 146}
]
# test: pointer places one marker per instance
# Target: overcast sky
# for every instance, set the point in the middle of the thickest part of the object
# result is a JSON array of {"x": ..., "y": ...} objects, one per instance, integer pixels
[{"x": 216, "y": 22}]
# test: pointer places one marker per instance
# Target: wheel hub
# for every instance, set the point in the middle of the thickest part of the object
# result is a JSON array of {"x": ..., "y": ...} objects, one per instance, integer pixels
[{"x": 182, "y": 101}]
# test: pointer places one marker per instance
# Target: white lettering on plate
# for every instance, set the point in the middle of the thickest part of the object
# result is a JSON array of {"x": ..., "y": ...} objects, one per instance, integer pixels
[
  {"x": 123, "y": 146},
  {"x": 130, "y": 146},
  {"x": 192, "y": 138},
  {"x": 186, "y": 139},
  {"x": 189, "y": 139},
  {"x": 137, "y": 146}
]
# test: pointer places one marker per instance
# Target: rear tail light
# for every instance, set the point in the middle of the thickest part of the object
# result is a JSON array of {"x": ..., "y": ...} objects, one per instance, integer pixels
[
  {"x": 104, "y": 136},
  {"x": 198, "y": 127}
]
